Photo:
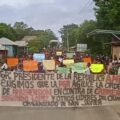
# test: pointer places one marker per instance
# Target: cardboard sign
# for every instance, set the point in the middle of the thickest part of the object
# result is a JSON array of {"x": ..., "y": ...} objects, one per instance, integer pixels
[
  {"x": 69, "y": 55},
  {"x": 63, "y": 70},
  {"x": 30, "y": 65},
  {"x": 87, "y": 60},
  {"x": 97, "y": 68},
  {"x": 58, "y": 53},
  {"x": 12, "y": 62},
  {"x": 49, "y": 64},
  {"x": 39, "y": 57},
  {"x": 78, "y": 67},
  {"x": 68, "y": 62}
]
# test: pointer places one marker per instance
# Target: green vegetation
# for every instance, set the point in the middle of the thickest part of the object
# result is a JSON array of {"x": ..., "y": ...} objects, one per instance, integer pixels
[
  {"x": 20, "y": 29},
  {"x": 7, "y": 31},
  {"x": 78, "y": 34},
  {"x": 107, "y": 14},
  {"x": 107, "y": 17}
]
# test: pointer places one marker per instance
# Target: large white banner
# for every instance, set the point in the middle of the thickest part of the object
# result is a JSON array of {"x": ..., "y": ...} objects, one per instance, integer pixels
[{"x": 58, "y": 90}]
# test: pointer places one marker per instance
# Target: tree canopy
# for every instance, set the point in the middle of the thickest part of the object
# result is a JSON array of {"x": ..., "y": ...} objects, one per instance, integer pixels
[
  {"x": 42, "y": 40},
  {"x": 21, "y": 29},
  {"x": 78, "y": 34},
  {"x": 7, "y": 31},
  {"x": 108, "y": 14}
]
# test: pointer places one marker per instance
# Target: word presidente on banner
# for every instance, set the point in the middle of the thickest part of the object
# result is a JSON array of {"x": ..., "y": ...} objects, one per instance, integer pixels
[
  {"x": 32, "y": 76},
  {"x": 50, "y": 76}
]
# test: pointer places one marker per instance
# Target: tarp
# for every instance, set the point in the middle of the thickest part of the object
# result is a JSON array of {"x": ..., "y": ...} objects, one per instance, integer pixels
[
  {"x": 49, "y": 64},
  {"x": 68, "y": 61},
  {"x": 11, "y": 62},
  {"x": 30, "y": 65},
  {"x": 39, "y": 57},
  {"x": 96, "y": 68}
]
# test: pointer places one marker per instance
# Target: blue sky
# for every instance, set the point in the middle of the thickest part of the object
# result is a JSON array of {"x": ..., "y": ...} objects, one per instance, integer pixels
[{"x": 46, "y": 14}]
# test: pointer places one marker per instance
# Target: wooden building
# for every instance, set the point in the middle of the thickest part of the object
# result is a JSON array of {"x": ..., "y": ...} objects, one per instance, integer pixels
[{"x": 115, "y": 47}]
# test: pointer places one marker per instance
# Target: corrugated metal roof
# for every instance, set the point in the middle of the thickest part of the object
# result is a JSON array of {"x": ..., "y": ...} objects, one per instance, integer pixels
[
  {"x": 6, "y": 41},
  {"x": 100, "y": 31},
  {"x": 21, "y": 43}
]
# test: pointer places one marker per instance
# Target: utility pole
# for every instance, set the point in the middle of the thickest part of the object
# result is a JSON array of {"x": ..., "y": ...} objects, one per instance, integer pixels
[{"x": 67, "y": 41}]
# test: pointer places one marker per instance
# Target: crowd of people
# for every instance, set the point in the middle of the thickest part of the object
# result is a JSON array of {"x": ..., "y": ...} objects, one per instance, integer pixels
[{"x": 111, "y": 65}]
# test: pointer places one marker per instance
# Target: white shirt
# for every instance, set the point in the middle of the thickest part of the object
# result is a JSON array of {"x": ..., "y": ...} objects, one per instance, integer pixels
[{"x": 60, "y": 59}]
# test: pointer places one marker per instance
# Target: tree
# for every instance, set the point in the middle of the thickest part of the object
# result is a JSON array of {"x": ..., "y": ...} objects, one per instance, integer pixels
[
  {"x": 84, "y": 29},
  {"x": 42, "y": 40},
  {"x": 68, "y": 34},
  {"x": 35, "y": 45},
  {"x": 21, "y": 29},
  {"x": 108, "y": 14},
  {"x": 29, "y": 31},
  {"x": 94, "y": 43},
  {"x": 7, "y": 31},
  {"x": 78, "y": 34}
]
